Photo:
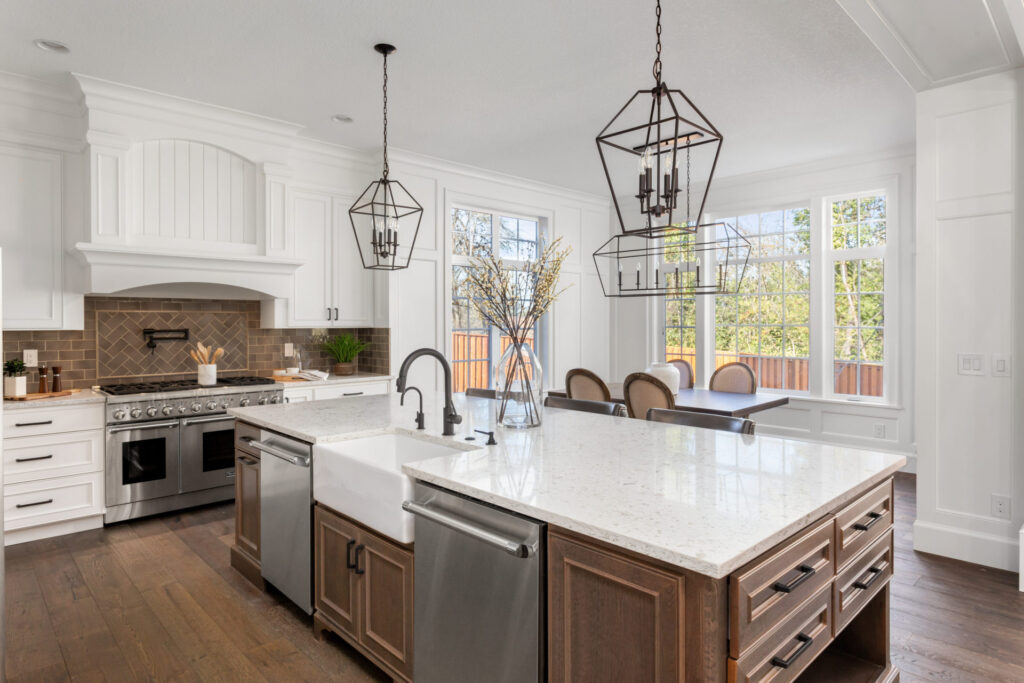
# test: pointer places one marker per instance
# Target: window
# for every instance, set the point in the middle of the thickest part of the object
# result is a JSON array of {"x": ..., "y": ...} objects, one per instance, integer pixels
[
  {"x": 476, "y": 346},
  {"x": 765, "y": 324},
  {"x": 858, "y": 230}
]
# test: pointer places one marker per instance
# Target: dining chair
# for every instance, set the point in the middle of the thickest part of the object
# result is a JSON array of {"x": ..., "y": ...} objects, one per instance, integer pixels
[
  {"x": 481, "y": 393},
  {"x": 685, "y": 373},
  {"x": 734, "y": 378},
  {"x": 584, "y": 384},
  {"x": 582, "y": 405},
  {"x": 643, "y": 392},
  {"x": 723, "y": 423}
]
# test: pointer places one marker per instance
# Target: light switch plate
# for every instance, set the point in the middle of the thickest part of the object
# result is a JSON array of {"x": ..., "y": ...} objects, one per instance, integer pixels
[
  {"x": 289, "y": 349},
  {"x": 31, "y": 358},
  {"x": 1001, "y": 365},
  {"x": 970, "y": 363}
]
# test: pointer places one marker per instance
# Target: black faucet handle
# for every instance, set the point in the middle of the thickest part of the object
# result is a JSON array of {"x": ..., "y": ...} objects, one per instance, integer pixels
[
  {"x": 490, "y": 437},
  {"x": 420, "y": 419}
]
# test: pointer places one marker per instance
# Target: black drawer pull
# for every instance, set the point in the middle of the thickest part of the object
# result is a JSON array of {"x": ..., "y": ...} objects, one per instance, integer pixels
[
  {"x": 38, "y": 457},
  {"x": 806, "y": 572},
  {"x": 33, "y": 424},
  {"x": 30, "y": 505},
  {"x": 875, "y": 516},
  {"x": 353, "y": 393},
  {"x": 348, "y": 554},
  {"x": 359, "y": 549},
  {"x": 805, "y": 640},
  {"x": 864, "y": 585}
]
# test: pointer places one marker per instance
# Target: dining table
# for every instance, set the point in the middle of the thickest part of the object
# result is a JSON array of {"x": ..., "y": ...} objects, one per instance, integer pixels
[{"x": 706, "y": 401}]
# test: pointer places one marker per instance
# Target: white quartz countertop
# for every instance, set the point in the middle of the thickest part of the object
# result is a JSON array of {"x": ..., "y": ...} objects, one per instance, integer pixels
[
  {"x": 337, "y": 379},
  {"x": 699, "y": 499},
  {"x": 83, "y": 397}
]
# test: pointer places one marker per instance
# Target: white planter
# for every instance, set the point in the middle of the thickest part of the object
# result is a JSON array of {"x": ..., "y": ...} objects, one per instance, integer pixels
[
  {"x": 207, "y": 375},
  {"x": 15, "y": 386},
  {"x": 667, "y": 373}
]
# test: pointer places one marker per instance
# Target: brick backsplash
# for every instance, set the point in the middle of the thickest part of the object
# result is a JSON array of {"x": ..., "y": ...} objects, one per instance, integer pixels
[{"x": 112, "y": 349}]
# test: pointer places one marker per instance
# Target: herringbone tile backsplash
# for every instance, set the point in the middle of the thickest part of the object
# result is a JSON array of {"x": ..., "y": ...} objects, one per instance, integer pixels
[{"x": 112, "y": 349}]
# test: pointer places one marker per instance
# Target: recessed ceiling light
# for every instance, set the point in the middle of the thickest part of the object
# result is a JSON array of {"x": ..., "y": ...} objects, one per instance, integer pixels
[
  {"x": 51, "y": 45},
  {"x": 341, "y": 118}
]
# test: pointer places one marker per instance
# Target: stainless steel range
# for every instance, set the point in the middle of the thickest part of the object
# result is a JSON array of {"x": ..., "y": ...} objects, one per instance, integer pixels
[{"x": 170, "y": 445}]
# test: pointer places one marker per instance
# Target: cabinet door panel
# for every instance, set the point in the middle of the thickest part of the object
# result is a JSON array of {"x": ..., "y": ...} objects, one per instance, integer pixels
[
  {"x": 336, "y": 591},
  {"x": 31, "y": 235},
  {"x": 353, "y": 284},
  {"x": 247, "y": 503},
  {"x": 387, "y": 602},
  {"x": 312, "y": 303}
]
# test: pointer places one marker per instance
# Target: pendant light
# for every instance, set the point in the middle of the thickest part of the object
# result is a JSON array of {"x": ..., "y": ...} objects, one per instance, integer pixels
[{"x": 385, "y": 218}]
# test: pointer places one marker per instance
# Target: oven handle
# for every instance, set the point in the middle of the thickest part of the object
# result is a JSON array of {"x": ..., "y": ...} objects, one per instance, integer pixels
[
  {"x": 144, "y": 425},
  {"x": 301, "y": 461},
  {"x": 205, "y": 420}
]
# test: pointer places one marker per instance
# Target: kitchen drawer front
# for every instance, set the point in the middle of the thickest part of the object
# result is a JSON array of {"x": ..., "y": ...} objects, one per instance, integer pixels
[
  {"x": 39, "y": 421},
  {"x": 862, "y": 522},
  {"x": 53, "y": 500},
  {"x": 298, "y": 395},
  {"x": 32, "y": 458},
  {"x": 766, "y": 591},
  {"x": 244, "y": 431},
  {"x": 789, "y": 647},
  {"x": 861, "y": 580},
  {"x": 347, "y": 390}
]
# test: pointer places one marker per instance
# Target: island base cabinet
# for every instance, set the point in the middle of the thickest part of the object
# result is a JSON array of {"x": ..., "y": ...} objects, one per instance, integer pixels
[
  {"x": 364, "y": 591},
  {"x": 245, "y": 554},
  {"x": 614, "y": 616}
]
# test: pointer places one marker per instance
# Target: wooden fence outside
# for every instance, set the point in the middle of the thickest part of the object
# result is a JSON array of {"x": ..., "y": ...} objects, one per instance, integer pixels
[{"x": 475, "y": 373}]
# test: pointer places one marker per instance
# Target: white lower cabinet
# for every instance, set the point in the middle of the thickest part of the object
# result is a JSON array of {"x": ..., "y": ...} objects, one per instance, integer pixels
[
  {"x": 336, "y": 390},
  {"x": 53, "y": 471}
]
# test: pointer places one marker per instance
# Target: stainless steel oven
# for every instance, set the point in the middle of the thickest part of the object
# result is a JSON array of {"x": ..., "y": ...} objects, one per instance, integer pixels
[
  {"x": 207, "y": 452},
  {"x": 142, "y": 461}
]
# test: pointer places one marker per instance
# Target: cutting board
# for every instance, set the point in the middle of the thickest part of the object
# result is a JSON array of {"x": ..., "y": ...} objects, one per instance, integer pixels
[
  {"x": 39, "y": 397},
  {"x": 286, "y": 378}
]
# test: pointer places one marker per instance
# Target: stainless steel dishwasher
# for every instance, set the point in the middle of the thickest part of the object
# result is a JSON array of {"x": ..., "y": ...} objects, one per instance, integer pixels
[
  {"x": 480, "y": 591},
  {"x": 286, "y": 523}
]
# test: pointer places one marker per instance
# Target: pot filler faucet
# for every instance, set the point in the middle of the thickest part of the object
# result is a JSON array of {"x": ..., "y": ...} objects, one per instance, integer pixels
[{"x": 451, "y": 418}]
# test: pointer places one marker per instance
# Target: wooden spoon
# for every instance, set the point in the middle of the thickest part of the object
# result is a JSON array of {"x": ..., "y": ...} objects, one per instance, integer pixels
[
  {"x": 195, "y": 356},
  {"x": 216, "y": 355}
]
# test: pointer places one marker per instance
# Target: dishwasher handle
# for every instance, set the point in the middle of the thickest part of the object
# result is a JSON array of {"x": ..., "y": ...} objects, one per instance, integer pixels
[
  {"x": 514, "y": 548},
  {"x": 300, "y": 460}
]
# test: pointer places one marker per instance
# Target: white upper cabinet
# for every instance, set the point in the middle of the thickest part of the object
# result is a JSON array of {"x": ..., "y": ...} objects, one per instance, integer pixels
[
  {"x": 31, "y": 234},
  {"x": 353, "y": 284}
]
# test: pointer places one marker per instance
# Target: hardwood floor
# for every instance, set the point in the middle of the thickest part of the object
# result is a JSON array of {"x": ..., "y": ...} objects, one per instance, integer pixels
[{"x": 155, "y": 599}]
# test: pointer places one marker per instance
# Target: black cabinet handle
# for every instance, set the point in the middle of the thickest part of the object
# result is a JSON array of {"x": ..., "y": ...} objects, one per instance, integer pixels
[
  {"x": 349, "y": 564},
  {"x": 33, "y": 424},
  {"x": 806, "y": 572},
  {"x": 31, "y": 505},
  {"x": 328, "y": 312},
  {"x": 359, "y": 549},
  {"x": 805, "y": 640},
  {"x": 353, "y": 393},
  {"x": 335, "y": 312},
  {"x": 864, "y": 585},
  {"x": 875, "y": 516},
  {"x": 38, "y": 457}
]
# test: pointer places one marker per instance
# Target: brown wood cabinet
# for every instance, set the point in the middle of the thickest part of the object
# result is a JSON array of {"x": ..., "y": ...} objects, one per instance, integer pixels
[
  {"x": 364, "y": 591},
  {"x": 245, "y": 554}
]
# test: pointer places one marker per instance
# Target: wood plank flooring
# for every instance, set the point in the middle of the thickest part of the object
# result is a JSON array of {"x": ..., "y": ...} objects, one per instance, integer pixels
[{"x": 156, "y": 599}]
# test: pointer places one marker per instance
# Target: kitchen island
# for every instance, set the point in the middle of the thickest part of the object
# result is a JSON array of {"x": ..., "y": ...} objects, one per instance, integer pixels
[{"x": 677, "y": 553}]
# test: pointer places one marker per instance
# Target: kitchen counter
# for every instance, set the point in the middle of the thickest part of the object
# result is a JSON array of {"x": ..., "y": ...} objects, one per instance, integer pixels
[
  {"x": 85, "y": 396},
  {"x": 338, "y": 379},
  {"x": 701, "y": 500}
]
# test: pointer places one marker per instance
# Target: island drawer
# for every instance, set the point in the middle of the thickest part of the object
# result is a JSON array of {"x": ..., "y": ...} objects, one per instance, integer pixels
[
  {"x": 243, "y": 433},
  {"x": 861, "y": 580},
  {"x": 862, "y": 522},
  {"x": 768, "y": 590},
  {"x": 790, "y": 646}
]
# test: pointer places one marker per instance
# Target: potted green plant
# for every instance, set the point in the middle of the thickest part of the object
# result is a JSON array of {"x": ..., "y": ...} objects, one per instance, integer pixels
[
  {"x": 343, "y": 349},
  {"x": 15, "y": 383}
]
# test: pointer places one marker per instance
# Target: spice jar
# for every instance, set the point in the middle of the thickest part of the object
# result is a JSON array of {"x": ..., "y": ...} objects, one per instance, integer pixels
[
  {"x": 42, "y": 379},
  {"x": 55, "y": 382}
]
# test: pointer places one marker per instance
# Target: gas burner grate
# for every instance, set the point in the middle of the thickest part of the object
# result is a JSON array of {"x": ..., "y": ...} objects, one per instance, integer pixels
[{"x": 179, "y": 385}]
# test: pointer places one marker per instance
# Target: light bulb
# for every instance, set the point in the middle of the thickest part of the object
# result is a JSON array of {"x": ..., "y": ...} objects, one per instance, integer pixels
[{"x": 646, "y": 160}]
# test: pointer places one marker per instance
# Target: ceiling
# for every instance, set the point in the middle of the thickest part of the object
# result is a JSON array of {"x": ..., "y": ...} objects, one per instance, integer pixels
[{"x": 517, "y": 87}]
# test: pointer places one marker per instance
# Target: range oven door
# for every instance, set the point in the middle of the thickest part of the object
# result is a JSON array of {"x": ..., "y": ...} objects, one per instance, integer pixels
[
  {"x": 207, "y": 452},
  {"x": 142, "y": 462}
]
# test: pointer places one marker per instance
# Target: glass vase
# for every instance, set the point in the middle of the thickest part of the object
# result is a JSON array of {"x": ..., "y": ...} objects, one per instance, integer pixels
[{"x": 518, "y": 381}]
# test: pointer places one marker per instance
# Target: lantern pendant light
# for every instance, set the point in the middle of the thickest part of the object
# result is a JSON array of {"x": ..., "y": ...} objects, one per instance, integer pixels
[{"x": 385, "y": 218}]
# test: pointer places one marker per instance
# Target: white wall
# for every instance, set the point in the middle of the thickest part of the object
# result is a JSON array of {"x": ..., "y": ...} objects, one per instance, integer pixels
[{"x": 969, "y": 300}]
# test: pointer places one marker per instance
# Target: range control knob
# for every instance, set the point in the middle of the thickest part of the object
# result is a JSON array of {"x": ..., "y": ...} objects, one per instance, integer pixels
[
  {"x": 244, "y": 402},
  {"x": 275, "y": 399},
  {"x": 182, "y": 409},
  {"x": 136, "y": 412},
  {"x": 120, "y": 414},
  {"x": 212, "y": 405},
  {"x": 167, "y": 410},
  {"x": 262, "y": 401},
  {"x": 151, "y": 411},
  {"x": 197, "y": 407},
  {"x": 225, "y": 405}
]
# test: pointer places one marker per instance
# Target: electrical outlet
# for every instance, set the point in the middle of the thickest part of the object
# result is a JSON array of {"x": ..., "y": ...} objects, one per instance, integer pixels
[
  {"x": 1000, "y": 365},
  {"x": 1000, "y": 506},
  {"x": 31, "y": 358},
  {"x": 879, "y": 430},
  {"x": 289, "y": 349}
]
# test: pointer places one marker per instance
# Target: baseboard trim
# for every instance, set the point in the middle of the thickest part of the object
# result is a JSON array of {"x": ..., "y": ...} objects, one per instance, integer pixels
[
  {"x": 998, "y": 552},
  {"x": 36, "y": 533}
]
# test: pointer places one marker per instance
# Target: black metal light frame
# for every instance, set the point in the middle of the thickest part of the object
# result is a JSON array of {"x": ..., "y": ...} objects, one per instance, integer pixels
[{"x": 384, "y": 207}]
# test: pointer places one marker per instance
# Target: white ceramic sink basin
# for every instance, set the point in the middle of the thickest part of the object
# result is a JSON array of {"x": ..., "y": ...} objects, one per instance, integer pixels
[{"x": 362, "y": 479}]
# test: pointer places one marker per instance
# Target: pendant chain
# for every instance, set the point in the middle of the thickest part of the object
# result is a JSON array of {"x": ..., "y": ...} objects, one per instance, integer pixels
[
  {"x": 657, "y": 57},
  {"x": 385, "y": 117}
]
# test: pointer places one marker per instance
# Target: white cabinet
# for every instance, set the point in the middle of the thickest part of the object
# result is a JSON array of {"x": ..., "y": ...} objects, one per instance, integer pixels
[
  {"x": 32, "y": 236},
  {"x": 320, "y": 392},
  {"x": 332, "y": 289}
]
